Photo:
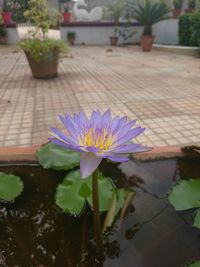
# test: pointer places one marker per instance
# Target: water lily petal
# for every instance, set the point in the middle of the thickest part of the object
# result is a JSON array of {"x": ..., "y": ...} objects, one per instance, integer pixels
[
  {"x": 129, "y": 136},
  {"x": 124, "y": 130},
  {"x": 117, "y": 158},
  {"x": 95, "y": 118},
  {"x": 84, "y": 122},
  {"x": 106, "y": 119},
  {"x": 69, "y": 125},
  {"x": 88, "y": 164},
  {"x": 131, "y": 148},
  {"x": 63, "y": 137},
  {"x": 120, "y": 124},
  {"x": 67, "y": 146}
]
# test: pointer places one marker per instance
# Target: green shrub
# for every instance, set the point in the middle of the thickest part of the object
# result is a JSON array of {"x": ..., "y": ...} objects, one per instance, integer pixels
[
  {"x": 3, "y": 32},
  {"x": 41, "y": 50},
  {"x": 71, "y": 35},
  {"x": 192, "y": 4},
  {"x": 178, "y": 4},
  {"x": 184, "y": 30},
  {"x": 189, "y": 29},
  {"x": 195, "y": 29}
]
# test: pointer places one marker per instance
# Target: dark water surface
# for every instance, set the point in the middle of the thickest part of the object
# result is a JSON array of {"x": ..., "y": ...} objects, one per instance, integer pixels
[{"x": 35, "y": 232}]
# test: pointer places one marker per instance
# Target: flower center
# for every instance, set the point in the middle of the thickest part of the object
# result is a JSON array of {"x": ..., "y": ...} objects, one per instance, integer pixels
[{"x": 98, "y": 137}]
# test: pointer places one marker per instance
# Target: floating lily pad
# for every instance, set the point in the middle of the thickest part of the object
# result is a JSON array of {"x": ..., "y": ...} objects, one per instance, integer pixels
[
  {"x": 72, "y": 194},
  {"x": 197, "y": 219},
  {"x": 186, "y": 195},
  {"x": 55, "y": 157},
  {"x": 194, "y": 264},
  {"x": 10, "y": 186}
]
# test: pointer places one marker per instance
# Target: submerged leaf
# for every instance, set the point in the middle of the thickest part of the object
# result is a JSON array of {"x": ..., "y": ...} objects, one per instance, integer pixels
[
  {"x": 55, "y": 157},
  {"x": 73, "y": 193},
  {"x": 197, "y": 219},
  {"x": 10, "y": 186},
  {"x": 121, "y": 199},
  {"x": 186, "y": 195}
]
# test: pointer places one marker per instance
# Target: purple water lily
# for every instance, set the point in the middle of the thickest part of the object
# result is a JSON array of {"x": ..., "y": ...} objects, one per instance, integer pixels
[{"x": 97, "y": 138}]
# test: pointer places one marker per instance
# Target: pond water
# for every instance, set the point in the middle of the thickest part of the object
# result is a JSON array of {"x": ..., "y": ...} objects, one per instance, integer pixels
[{"x": 35, "y": 232}]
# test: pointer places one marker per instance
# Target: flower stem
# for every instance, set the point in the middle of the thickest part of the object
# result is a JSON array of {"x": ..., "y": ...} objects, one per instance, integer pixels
[{"x": 96, "y": 215}]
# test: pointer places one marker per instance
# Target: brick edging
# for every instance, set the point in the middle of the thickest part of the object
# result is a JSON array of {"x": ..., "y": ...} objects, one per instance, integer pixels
[{"x": 29, "y": 153}]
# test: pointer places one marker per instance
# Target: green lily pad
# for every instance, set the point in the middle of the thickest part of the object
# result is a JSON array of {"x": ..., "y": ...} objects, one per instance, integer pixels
[
  {"x": 194, "y": 264},
  {"x": 55, "y": 157},
  {"x": 73, "y": 192},
  {"x": 186, "y": 195},
  {"x": 197, "y": 219},
  {"x": 10, "y": 186}
]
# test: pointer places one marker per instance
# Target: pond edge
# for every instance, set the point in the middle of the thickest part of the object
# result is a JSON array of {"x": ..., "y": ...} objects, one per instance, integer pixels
[{"x": 28, "y": 154}]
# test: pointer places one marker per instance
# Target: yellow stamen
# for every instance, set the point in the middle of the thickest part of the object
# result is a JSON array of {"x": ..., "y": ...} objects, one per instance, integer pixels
[{"x": 99, "y": 138}]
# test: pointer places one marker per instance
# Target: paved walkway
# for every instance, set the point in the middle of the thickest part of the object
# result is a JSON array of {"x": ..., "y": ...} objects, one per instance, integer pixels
[{"x": 161, "y": 90}]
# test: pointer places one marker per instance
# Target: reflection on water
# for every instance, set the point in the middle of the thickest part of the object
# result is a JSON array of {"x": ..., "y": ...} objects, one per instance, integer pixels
[{"x": 34, "y": 232}]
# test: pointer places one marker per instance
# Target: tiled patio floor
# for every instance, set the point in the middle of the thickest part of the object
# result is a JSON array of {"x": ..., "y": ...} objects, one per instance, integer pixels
[{"x": 161, "y": 90}]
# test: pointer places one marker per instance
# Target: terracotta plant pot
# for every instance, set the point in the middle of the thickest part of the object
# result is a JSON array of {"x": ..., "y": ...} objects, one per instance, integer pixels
[
  {"x": 146, "y": 42},
  {"x": 71, "y": 41},
  {"x": 114, "y": 40},
  {"x": 176, "y": 13},
  {"x": 7, "y": 17},
  {"x": 46, "y": 69},
  {"x": 66, "y": 17},
  {"x": 3, "y": 40}
]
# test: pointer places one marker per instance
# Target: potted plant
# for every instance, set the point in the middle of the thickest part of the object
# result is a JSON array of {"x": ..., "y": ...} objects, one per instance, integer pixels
[
  {"x": 71, "y": 37},
  {"x": 6, "y": 14},
  {"x": 66, "y": 11},
  {"x": 177, "y": 8},
  {"x": 42, "y": 53},
  {"x": 149, "y": 14},
  {"x": 3, "y": 36},
  {"x": 116, "y": 10},
  {"x": 114, "y": 39},
  {"x": 191, "y": 6}
]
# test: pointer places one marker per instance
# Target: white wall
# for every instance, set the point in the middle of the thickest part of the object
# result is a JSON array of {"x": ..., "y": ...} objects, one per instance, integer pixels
[
  {"x": 97, "y": 35},
  {"x": 166, "y": 32}
]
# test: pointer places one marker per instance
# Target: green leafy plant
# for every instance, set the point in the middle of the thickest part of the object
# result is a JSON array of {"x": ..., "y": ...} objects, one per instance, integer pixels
[
  {"x": 192, "y": 4},
  {"x": 66, "y": 5},
  {"x": 193, "y": 264},
  {"x": 10, "y": 187},
  {"x": 189, "y": 30},
  {"x": 3, "y": 32},
  {"x": 185, "y": 195},
  {"x": 39, "y": 14},
  {"x": 43, "y": 50},
  {"x": 178, "y": 4},
  {"x": 116, "y": 9},
  {"x": 6, "y": 5},
  {"x": 71, "y": 35},
  {"x": 150, "y": 13}
]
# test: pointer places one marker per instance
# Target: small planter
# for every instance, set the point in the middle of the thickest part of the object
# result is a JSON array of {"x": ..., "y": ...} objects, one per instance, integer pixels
[
  {"x": 147, "y": 42},
  {"x": 176, "y": 13},
  {"x": 45, "y": 69},
  {"x": 3, "y": 40},
  {"x": 71, "y": 41},
  {"x": 7, "y": 17},
  {"x": 114, "y": 40},
  {"x": 66, "y": 17}
]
